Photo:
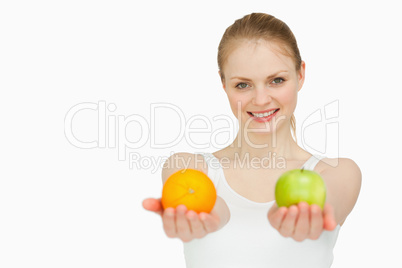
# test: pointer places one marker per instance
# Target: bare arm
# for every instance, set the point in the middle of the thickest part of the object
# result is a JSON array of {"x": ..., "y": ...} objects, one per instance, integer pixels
[{"x": 343, "y": 181}]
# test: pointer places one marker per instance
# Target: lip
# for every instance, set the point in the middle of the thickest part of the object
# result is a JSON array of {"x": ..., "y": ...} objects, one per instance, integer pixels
[
  {"x": 264, "y": 119},
  {"x": 265, "y": 111}
]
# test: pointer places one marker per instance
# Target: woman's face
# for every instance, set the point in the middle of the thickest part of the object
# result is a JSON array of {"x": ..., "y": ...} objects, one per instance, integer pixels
[{"x": 259, "y": 80}]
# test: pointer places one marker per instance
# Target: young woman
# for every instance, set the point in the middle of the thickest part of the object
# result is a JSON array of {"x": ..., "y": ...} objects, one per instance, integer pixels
[{"x": 261, "y": 72}]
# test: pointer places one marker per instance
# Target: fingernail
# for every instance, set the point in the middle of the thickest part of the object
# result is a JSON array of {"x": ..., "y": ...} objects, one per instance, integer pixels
[
  {"x": 181, "y": 208},
  {"x": 203, "y": 216},
  {"x": 314, "y": 210},
  {"x": 169, "y": 211},
  {"x": 293, "y": 211},
  {"x": 191, "y": 215},
  {"x": 304, "y": 208}
]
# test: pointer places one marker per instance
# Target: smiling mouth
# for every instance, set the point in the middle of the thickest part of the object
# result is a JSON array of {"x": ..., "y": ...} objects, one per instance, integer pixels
[{"x": 262, "y": 115}]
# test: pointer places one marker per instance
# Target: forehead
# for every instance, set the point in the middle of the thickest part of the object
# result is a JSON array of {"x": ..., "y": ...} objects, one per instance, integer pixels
[{"x": 254, "y": 58}]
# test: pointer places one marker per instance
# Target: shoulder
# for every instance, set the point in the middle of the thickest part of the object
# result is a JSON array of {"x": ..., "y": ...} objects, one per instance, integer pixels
[
  {"x": 341, "y": 166},
  {"x": 343, "y": 178},
  {"x": 183, "y": 160}
]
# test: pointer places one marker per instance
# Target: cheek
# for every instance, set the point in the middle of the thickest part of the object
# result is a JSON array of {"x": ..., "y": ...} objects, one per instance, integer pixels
[
  {"x": 237, "y": 103},
  {"x": 288, "y": 96},
  {"x": 234, "y": 100}
]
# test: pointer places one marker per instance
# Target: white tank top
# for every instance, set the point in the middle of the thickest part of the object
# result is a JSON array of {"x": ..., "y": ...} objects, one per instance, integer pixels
[{"x": 248, "y": 240}]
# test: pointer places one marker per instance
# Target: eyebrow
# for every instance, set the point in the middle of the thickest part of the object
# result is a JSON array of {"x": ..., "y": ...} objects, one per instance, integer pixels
[{"x": 268, "y": 77}]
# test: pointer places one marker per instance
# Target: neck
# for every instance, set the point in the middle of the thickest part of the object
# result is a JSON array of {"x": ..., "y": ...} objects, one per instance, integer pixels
[{"x": 260, "y": 145}]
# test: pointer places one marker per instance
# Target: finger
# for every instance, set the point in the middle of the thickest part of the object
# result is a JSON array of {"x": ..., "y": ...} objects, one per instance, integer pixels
[
  {"x": 329, "y": 218},
  {"x": 276, "y": 216},
  {"x": 288, "y": 224},
  {"x": 210, "y": 222},
  {"x": 196, "y": 226},
  {"x": 302, "y": 228},
  {"x": 272, "y": 210},
  {"x": 317, "y": 222},
  {"x": 153, "y": 205},
  {"x": 169, "y": 225},
  {"x": 182, "y": 224}
]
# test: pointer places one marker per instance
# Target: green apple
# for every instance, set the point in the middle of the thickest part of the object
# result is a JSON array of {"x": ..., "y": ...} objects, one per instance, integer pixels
[{"x": 299, "y": 185}]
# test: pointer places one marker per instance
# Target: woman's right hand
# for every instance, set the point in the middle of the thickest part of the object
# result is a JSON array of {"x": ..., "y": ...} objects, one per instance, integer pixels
[{"x": 187, "y": 224}]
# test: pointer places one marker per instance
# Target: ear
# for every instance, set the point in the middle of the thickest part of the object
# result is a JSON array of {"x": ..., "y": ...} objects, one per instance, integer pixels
[
  {"x": 301, "y": 75},
  {"x": 222, "y": 80}
]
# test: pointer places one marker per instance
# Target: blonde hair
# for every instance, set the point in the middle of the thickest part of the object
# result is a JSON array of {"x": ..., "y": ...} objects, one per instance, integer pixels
[{"x": 260, "y": 26}]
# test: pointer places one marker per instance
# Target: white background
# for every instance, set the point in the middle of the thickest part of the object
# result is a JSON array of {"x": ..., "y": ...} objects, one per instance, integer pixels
[{"x": 64, "y": 206}]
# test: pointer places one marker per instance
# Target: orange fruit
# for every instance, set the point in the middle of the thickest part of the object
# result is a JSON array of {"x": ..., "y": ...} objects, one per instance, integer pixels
[{"x": 189, "y": 187}]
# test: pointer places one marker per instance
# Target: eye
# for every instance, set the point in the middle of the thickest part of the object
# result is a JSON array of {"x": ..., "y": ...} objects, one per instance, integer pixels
[
  {"x": 241, "y": 85},
  {"x": 278, "y": 80}
]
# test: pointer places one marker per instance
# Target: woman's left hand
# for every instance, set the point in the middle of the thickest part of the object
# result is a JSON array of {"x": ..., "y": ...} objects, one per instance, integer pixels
[{"x": 302, "y": 221}]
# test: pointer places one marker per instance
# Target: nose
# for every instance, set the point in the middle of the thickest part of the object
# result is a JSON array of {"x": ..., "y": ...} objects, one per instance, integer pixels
[{"x": 261, "y": 96}]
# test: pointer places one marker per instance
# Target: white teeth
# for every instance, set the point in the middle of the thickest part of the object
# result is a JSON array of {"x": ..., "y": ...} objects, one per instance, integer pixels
[{"x": 264, "y": 114}]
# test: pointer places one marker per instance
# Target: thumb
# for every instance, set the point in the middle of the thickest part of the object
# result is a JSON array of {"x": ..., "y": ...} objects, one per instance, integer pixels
[
  {"x": 153, "y": 204},
  {"x": 329, "y": 218}
]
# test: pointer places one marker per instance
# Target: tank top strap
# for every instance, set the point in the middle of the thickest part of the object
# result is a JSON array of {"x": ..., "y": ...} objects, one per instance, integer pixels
[
  {"x": 312, "y": 162},
  {"x": 214, "y": 167}
]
